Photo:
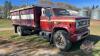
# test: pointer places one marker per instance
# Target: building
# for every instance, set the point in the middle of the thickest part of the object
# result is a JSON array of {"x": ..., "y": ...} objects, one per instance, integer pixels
[{"x": 1, "y": 14}]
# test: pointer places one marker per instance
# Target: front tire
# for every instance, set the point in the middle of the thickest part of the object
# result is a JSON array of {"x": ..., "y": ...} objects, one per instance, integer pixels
[{"x": 61, "y": 41}]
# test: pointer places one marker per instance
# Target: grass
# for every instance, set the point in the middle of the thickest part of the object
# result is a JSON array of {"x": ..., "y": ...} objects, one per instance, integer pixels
[
  {"x": 94, "y": 30},
  {"x": 6, "y": 33},
  {"x": 5, "y": 23},
  {"x": 95, "y": 27},
  {"x": 30, "y": 38},
  {"x": 33, "y": 41},
  {"x": 11, "y": 36}
]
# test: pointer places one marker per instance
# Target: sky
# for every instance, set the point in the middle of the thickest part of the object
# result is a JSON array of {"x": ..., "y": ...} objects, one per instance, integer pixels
[{"x": 77, "y": 3}]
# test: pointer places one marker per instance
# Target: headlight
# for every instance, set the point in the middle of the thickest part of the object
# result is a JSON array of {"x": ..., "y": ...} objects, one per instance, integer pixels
[{"x": 82, "y": 23}]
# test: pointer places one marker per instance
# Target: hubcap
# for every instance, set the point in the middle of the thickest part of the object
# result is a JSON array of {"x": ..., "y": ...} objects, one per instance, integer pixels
[{"x": 60, "y": 41}]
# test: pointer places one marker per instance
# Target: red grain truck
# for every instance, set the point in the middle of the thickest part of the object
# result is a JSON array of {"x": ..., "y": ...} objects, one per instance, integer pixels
[{"x": 54, "y": 24}]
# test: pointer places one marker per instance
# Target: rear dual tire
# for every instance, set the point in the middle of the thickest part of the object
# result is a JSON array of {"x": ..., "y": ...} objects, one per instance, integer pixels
[{"x": 20, "y": 31}]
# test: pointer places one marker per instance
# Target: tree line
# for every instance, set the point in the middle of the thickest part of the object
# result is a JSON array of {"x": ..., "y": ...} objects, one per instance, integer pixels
[{"x": 5, "y": 9}]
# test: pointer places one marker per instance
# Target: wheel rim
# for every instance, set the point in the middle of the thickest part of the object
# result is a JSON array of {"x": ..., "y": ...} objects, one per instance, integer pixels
[
  {"x": 19, "y": 31},
  {"x": 60, "y": 40}
]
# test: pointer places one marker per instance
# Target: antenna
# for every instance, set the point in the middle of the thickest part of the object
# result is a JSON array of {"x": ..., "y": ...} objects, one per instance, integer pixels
[{"x": 25, "y": 2}]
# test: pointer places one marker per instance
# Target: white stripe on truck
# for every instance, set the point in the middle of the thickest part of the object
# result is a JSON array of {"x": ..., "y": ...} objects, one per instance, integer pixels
[
  {"x": 28, "y": 16},
  {"x": 59, "y": 20},
  {"x": 14, "y": 17}
]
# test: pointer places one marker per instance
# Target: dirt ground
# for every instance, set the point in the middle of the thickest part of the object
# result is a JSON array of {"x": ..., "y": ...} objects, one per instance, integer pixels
[
  {"x": 3, "y": 29},
  {"x": 12, "y": 48},
  {"x": 24, "y": 48}
]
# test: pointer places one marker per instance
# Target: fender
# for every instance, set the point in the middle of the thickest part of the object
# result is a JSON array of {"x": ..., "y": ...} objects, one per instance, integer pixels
[
  {"x": 58, "y": 27},
  {"x": 62, "y": 27}
]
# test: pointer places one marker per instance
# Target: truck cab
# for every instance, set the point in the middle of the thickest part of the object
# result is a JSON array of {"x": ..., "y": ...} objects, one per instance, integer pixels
[{"x": 54, "y": 24}]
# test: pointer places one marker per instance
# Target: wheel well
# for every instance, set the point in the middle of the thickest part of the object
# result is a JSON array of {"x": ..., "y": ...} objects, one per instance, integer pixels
[
  {"x": 15, "y": 27},
  {"x": 58, "y": 28}
]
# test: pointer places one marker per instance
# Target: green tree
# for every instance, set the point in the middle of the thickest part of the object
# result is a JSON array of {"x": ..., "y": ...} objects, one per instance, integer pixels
[
  {"x": 1, "y": 12},
  {"x": 7, "y": 8}
]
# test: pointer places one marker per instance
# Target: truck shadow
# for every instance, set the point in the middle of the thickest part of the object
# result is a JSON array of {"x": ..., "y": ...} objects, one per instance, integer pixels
[
  {"x": 77, "y": 47},
  {"x": 93, "y": 38}
]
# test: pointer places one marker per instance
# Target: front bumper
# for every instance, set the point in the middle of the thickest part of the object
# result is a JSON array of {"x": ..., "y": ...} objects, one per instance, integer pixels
[{"x": 80, "y": 35}]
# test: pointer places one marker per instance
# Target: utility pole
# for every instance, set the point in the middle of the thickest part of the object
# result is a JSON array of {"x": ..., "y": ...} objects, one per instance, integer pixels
[{"x": 27, "y": 2}]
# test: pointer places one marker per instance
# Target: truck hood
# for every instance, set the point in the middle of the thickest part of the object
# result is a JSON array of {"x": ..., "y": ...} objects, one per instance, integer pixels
[
  {"x": 74, "y": 17},
  {"x": 80, "y": 21}
]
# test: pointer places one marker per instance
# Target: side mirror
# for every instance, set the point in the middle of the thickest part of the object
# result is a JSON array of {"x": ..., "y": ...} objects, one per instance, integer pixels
[{"x": 49, "y": 15}]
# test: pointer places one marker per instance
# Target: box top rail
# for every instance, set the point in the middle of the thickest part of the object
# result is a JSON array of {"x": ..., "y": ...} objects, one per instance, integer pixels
[
  {"x": 21, "y": 8},
  {"x": 43, "y": 6}
]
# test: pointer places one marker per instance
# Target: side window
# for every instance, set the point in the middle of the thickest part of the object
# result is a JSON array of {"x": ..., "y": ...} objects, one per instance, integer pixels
[{"x": 48, "y": 12}]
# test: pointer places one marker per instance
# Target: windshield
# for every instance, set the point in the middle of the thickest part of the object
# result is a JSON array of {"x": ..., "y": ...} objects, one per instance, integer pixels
[{"x": 61, "y": 12}]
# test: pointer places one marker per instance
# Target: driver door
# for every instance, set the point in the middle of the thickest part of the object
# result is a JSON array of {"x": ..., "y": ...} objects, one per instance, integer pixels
[{"x": 45, "y": 21}]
